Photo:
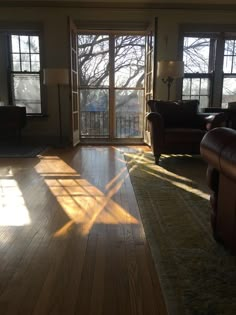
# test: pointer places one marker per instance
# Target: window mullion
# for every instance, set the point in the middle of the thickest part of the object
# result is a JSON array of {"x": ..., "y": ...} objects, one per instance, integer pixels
[
  {"x": 112, "y": 85},
  {"x": 218, "y": 74}
]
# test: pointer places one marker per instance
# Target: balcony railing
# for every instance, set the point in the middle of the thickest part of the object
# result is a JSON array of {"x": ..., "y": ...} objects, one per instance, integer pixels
[{"x": 96, "y": 124}]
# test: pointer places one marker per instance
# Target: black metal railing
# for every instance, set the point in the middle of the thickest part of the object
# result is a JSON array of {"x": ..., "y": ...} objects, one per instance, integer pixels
[{"x": 96, "y": 124}]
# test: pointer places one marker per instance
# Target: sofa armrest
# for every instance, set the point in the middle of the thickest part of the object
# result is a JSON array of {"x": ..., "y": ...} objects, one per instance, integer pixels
[
  {"x": 218, "y": 148},
  {"x": 209, "y": 121},
  {"x": 157, "y": 132}
]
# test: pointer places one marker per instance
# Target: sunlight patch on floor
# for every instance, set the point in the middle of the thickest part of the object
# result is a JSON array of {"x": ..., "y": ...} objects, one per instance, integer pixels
[
  {"x": 13, "y": 211},
  {"x": 84, "y": 204}
]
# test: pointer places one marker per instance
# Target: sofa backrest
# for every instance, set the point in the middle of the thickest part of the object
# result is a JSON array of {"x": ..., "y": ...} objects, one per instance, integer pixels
[{"x": 176, "y": 114}]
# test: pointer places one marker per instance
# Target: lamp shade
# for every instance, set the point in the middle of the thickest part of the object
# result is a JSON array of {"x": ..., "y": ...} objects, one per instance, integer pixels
[
  {"x": 172, "y": 69},
  {"x": 53, "y": 76}
]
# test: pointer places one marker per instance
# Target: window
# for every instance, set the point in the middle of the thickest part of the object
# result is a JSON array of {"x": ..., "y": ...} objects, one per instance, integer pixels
[
  {"x": 229, "y": 73},
  {"x": 210, "y": 69},
  {"x": 197, "y": 68},
  {"x": 25, "y": 72}
]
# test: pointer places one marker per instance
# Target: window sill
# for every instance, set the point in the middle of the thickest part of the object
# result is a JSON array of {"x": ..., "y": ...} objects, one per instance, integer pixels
[{"x": 36, "y": 115}]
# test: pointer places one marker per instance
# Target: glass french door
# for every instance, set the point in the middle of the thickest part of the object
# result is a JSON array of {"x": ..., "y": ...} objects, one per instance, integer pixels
[
  {"x": 111, "y": 76},
  {"x": 75, "y": 136}
]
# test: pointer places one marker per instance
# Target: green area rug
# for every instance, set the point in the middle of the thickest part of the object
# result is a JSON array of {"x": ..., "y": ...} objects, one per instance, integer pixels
[{"x": 197, "y": 275}]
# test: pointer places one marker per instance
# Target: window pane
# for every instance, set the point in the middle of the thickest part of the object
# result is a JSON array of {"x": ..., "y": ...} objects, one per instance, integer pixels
[
  {"x": 229, "y": 47},
  {"x": 196, "y": 55},
  {"x": 16, "y": 66},
  {"x": 195, "y": 88},
  {"x": 186, "y": 86},
  {"x": 26, "y": 61},
  {"x": 35, "y": 57},
  {"x": 25, "y": 57},
  {"x": 229, "y": 57},
  {"x": 129, "y": 113},
  {"x": 129, "y": 61},
  {"x": 25, "y": 66},
  {"x": 204, "y": 87},
  {"x": 94, "y": 112},
  {"x": 15, "y": 43},
  {"x": 93, "y": 51},
  {"x": 203, "y": 102},
  {"x": 234, "y": 64},
  {"x": 26, "y": 92},
  {"x": 24, "y": 44},
  {"x": 227, "y": 64},
  {"x": 35, "y": 66},
  {"x": 34, "y": 44},
  {"x": 16, "y": 57},
  {"x": 229, "y": 91}
]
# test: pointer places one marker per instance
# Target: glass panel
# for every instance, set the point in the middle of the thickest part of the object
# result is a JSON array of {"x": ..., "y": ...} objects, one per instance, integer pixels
[
  {"x": 24, "y": 44},
  {"x": 129, "y": 113},
  {"x": 234, "y": 64},
  {"x": 94, "y": 112},
  {"x": 25, "y": 57},
  {"x": 129, "y": 61},
  {"x": 34, "y": 44},
  {"x": 93, "y": 51},
  {"x": 26, "y": 92},
  {"x": 229, "y": 91},
  {"x": 229, "y": 47},
  {"x": 25, "y": 66},
  {"x": 195, "y": 97},
  {"x": 35, "y": 66},
  {"x": 203, "y": 102},
  {"x": 196, "y": 54},
  {"x": 35, "y": 57},
  {"x": 227, "y": 68},
  {"x": 204, "y": 87},
  {"x": 185, "y": 97},
  {"x": 16, "y": 66},
  {"x": 195, "y": 88},
  {"x": 15, "y": 43},
  {"x": 16, "y": 57},
  {"x": 186, "y": 86}
]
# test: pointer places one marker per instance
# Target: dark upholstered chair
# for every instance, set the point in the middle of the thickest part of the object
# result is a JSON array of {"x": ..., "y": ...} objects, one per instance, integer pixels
[
  {"x": 12, "y": 120},
  {"x": 178, "y": 127},
  {"x": 218, "y": 148}
]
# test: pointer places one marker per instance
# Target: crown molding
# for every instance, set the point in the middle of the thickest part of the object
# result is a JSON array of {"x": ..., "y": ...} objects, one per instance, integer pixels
[{"x": 117, "y": 5}]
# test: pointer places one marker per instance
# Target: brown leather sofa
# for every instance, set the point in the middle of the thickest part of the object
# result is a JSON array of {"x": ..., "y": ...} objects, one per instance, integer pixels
[
  {"x": 178, "y": 127},
  {"x": 12, "y": 120},
  {"x": 218, "y": 148}
]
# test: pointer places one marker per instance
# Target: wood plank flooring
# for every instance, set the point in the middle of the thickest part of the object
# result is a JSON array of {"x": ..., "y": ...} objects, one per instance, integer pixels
[{"x": 71, "y": 237}]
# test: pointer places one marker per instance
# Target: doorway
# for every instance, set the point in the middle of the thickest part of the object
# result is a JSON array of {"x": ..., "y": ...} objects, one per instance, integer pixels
[{"x": 111, "y": 86}]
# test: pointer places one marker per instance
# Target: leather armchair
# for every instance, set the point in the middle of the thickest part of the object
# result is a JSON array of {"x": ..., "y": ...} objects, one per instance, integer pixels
[
  {"x": 178, "y": 127},
  {"x": 218, "y": 148}
]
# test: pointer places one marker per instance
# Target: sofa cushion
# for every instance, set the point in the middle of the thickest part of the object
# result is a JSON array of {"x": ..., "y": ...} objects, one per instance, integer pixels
[{"x": 176, "y": 114}]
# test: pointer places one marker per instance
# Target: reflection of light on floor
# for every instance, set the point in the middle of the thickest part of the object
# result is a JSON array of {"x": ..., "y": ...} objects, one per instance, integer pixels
[
  {"x": 13, "y": 211},
  {"x": 84, "y": 204},
  {"x": 165, "y": 175}
]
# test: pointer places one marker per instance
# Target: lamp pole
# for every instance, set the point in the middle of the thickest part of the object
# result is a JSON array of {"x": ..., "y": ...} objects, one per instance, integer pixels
[{"x": 169, "y": 80}]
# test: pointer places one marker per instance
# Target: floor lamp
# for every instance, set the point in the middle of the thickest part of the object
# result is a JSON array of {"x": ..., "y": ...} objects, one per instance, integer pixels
[
  {"x": 168, "y": 71},
  {"x": 58, "y": 77}
]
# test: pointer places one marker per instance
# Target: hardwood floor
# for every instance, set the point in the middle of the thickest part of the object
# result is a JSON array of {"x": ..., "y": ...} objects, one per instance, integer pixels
[{"x": 71, "y": 237}]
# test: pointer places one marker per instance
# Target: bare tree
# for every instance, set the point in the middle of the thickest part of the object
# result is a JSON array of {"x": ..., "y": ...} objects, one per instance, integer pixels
[
  {"x": 196, "y": 54},
  {"x": 94, "y": 63}
]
